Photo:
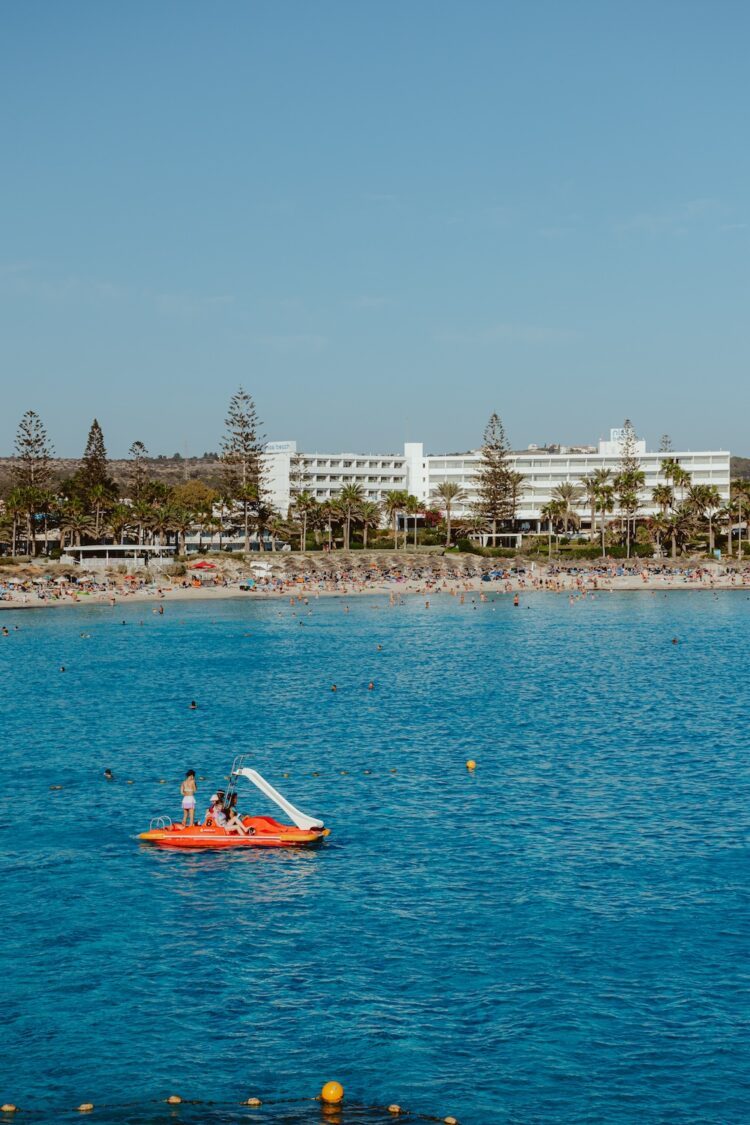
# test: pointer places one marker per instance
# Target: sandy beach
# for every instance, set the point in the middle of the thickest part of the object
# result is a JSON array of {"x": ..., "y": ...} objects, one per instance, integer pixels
[{"x": 313, "y": 577}]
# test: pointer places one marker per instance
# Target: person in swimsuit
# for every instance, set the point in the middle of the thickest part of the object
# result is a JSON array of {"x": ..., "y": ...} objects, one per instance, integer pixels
[
  {"x": 188, "y": 790},
  {"x": 234, "y": 825}
]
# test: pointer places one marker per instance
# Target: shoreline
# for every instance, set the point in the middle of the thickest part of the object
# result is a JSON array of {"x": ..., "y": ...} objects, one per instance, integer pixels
[{"x": 560, "y": 584}]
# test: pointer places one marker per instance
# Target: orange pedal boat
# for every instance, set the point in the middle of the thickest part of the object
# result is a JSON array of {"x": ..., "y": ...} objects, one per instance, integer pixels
[{"x": 264, "y": 831}]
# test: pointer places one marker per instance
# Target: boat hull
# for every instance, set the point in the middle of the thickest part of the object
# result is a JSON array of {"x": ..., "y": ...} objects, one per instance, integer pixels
[{"x": 268, "y": 833}]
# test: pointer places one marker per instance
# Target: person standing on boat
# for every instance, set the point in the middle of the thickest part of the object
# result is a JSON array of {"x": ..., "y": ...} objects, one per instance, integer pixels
[{"x": 188, "y": 790}]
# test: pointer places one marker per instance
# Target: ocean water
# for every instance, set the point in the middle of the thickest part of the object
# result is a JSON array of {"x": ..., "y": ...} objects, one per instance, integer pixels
[{"x": 561, "y": 936}]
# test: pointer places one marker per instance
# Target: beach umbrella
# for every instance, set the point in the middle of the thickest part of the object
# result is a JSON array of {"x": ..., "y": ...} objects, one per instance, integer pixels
[{"x": 203, "y": 566}]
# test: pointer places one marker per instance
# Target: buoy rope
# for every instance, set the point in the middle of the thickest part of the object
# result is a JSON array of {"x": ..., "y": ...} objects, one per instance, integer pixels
[{"x": 7, "y": 1110}]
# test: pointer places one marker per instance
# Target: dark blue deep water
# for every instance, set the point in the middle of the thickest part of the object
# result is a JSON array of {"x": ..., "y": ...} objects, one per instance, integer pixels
[{"x": 562, "y": 936}]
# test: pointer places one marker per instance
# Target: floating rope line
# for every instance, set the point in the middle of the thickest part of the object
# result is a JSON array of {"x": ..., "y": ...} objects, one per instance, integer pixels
[{"x": 331, "y": 1101}]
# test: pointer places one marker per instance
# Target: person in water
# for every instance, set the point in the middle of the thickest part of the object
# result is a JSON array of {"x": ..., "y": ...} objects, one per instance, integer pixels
[{"x": 188, "y": 790}]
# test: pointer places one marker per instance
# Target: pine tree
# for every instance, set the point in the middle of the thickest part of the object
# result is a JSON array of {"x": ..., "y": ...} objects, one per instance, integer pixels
[
  {"x": 495, "y": 485},
  {"x": 34, "y": 453},
  {"x": 629, "y": 479},
  {"x": 242, "y": 457},
  {"x": 32, "y": 472},
  {"x": 93, "y": 468},
  {"x": 665, "y": 444},
  {"x": 138, "y": 477}
]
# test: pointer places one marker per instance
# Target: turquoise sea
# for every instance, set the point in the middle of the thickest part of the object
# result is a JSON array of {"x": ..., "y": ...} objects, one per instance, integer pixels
[{"x": 561, "y": 936}]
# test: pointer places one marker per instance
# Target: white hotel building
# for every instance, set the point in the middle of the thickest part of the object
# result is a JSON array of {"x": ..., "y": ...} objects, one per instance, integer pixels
[{"x": 325, "y": 474}]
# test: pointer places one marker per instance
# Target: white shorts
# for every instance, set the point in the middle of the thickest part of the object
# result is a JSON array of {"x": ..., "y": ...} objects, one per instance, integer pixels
[{"x": 188, "y": 802}]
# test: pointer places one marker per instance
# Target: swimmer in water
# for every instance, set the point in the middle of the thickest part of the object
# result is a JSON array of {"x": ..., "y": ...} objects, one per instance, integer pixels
[
  {"x": 108, "y": 775},
  {"x": 193, "y": 705}
]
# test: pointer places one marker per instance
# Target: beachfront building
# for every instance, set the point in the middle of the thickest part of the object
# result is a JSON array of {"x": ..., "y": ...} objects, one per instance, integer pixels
[
  {"x": 543, "y": 471},
  {"x": 290, "y": 471}
]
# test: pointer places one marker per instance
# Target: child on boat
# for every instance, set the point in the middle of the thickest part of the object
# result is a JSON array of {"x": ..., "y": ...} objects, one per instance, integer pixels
[{"x": 188, "y": 788}]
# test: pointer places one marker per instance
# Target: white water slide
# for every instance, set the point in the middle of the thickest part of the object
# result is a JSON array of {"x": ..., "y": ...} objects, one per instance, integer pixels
[{"x": 302, "y": 820}]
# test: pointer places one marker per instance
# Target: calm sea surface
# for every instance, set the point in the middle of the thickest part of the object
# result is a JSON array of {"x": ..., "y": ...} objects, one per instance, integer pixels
[{"x": 562, "y": 936}]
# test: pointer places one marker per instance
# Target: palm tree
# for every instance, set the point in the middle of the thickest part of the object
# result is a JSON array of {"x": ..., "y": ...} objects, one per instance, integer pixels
[
  {"x": 702, "y": 501},
  {"x": 276, "y": 528},
  {"x": 76, "y": 522},
  {"x": 712, "y": 499},
  {"x": 740, "y": 501},
  {"x": 118, "y": 519},
  {"x": 411, "y": 508},
  {"x": 663, "y": 495},
  {"x": 675, "y": 473},
  {"x": 328, "y": 516},
  {"x": 566, "y": 495},
  {"x": 161, "y": 522},
  {"x": 394, "y": 503},
  {"x": 591, "y": 486},
  {"x": 590, "y": 491},
  {"x": 181, "y": 522},
  {"x": 605, "y": 503},
  {"x": 551, "y": 512},
  {"x": 658, "y": 526},
  {"x": 679, "y": 521},
  {"x": 349, "y": 500},
  {"x": 446, "y": 495},
  {"x": 628, "y": 485},
  {"x": 303, "y": 504},
  {"x": 369, "y": 516},
  {"x": 15, "y": 507},
  {"x": 477, "y": 524},
  {"x": 100, "y": 495}
]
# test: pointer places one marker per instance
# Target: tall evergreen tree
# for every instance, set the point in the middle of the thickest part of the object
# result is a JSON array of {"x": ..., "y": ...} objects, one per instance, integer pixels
[
  {"x": 242, "y": 457},
  {"x": 138, "y": 475},
  {"x": 629, "y": 480},
  {"x": 665, "y": 444},
  {"x": 93, "y": 468},
  {"x": 34, "y": 453},
  {"x": 495, "y": 484},
  {"x": 32, "y": 471}
]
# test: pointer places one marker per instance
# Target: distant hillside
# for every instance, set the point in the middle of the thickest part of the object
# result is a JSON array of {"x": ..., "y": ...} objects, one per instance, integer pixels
[
  {"x": 171, "y": 470},
  {"x": 740, "y": 467}
]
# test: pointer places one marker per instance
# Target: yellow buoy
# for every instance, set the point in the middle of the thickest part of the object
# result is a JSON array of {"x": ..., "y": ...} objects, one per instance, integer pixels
[
  {"x": 8, "y": 1108},
  {"x": 85, "y": 1107},
  {"x": 253, "y": 1101},
  {"x": 471, "y": 764},
  {"x": 332, "y": 1092},
  {"x": 450, "y": 1121},
  {"x": 394, "y": 1108},
  {"x": 174, "y": 1099}
]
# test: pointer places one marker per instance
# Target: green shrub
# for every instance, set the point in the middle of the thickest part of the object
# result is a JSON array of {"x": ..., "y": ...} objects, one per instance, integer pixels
[{"x": 470, "y": 548}]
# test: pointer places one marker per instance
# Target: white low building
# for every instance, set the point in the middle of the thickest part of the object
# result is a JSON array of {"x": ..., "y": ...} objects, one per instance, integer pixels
[{"x": 324, "y": 475}]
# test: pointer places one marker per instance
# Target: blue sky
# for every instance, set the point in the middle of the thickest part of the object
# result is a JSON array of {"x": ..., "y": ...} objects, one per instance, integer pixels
[{"x": 385, "y": 219}]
